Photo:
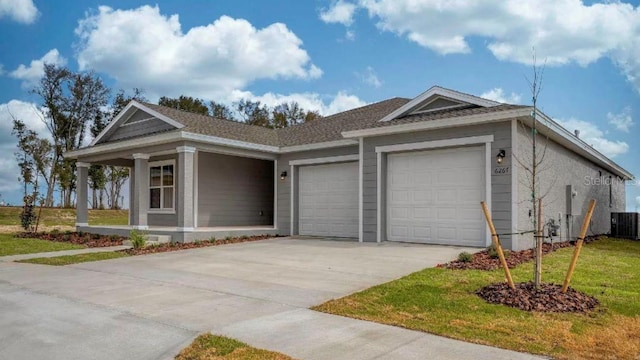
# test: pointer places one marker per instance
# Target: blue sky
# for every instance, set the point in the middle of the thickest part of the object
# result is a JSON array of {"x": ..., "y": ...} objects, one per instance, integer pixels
[{"x": 334, "y": 55}]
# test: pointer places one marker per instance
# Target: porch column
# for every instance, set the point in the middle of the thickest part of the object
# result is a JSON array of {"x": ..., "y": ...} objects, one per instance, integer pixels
[
  {"x": 140, "y": 203},
  {"x": 185, "y": 194},
  {"x": 82, "y": 213}
]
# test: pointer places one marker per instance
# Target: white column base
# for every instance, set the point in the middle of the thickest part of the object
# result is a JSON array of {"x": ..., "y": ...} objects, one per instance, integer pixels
[
  {"x": 186, "y": 229},
  {"x": 140, "y": 227},
  {"x": 82, "y": 224}
]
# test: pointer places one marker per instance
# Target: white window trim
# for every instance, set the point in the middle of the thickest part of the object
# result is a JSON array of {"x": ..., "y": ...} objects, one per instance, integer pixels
[
  {"x": 485, "y": 140},
  {"x": 162, "y": 210}
]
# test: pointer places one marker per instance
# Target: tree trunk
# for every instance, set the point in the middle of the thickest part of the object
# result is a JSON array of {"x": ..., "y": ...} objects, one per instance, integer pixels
[
  {"x": 101, "y": 206},
  {"x": 51, "y": 185},
  {"x": 94, "y": 198},
  {"x": 539, "y": 238}
]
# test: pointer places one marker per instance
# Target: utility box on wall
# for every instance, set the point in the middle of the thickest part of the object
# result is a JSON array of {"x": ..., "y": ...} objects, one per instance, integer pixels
[
  {"x": 625, "y": 225},
  {"x": 572, "y": 205}
]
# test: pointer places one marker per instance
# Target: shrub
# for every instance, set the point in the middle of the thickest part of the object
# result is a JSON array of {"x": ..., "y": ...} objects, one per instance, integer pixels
[
  {"x": 28, "y": 214},
  {"x": 228, "y": 238},
  {"x": 492, "y": 251},
  {"x": 212, "y": 239},
  {"x": 112, "y": 237},
  {"x": 244, "y": 237},
  {"x": 54, "y": 232},
  {"x": 465, "y": 257},
  {"x": 138, "y": 239}
]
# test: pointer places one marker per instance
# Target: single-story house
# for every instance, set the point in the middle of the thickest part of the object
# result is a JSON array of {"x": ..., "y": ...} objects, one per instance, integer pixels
[{"x": 409, "y": 170}]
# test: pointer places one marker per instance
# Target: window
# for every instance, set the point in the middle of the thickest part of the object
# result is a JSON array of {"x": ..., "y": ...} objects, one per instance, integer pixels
[{"x": 161, "y": 185}]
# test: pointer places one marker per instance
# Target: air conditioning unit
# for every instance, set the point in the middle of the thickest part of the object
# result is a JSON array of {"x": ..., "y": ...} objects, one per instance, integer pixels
[{"x": 625, "y": 225}]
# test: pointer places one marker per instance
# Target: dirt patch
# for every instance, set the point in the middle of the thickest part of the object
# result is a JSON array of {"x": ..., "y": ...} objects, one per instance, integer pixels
[
  {"x": 547, "y": 298},
  {"x": 86, "y": 239},
  {"x": 13, "y": 229},
  {"x": 193, "y": 245},
  {"x": 484, "y": 261}
]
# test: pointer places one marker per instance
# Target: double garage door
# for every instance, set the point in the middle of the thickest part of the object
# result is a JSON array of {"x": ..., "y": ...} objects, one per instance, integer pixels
[
  {"x": 434, "y": 196},
  {"x": 431, "y": 197},
  {"x": 328, "y": 200}
]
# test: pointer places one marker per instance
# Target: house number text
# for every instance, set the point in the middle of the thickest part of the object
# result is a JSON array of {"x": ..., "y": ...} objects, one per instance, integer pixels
[{"x": 502, "y": 170}]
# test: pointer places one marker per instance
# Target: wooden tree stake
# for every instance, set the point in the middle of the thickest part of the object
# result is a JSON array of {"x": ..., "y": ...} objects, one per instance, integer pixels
[
  {"x": 576, "y": 252},
  {"x": 496, "y": 243}
]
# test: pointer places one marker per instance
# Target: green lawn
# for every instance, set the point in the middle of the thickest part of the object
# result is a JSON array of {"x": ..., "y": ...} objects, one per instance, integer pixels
[
  {"x": 65, "y": 217},
  {"x": 209, "y": 347},
  {"x": 10, "y": 245},
  {"x": 76, "y": 259},
  {"x": 443, "y": 302}
]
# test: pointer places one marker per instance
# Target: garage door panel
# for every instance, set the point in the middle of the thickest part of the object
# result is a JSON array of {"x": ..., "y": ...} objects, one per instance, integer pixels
[
  {"x": 435, "y": 198},
  {"x": 328, "y": 200}
]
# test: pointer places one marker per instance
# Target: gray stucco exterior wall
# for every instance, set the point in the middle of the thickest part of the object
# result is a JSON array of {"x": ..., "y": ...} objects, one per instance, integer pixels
[
  {"x": 562, "y": 167},
  {"x": 234, "y": 191},
  {"x": 284, "y": 186},
  {"x": 501, "y": 184}
]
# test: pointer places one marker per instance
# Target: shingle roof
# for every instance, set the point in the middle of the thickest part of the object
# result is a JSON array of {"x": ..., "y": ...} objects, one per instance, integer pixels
[
  {"x": 328, "y": 128},
  {"x": 207, "y": 125}
]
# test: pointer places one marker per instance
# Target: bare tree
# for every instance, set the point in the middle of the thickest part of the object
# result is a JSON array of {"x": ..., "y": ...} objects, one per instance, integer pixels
[{"x": 535, "y": 165}]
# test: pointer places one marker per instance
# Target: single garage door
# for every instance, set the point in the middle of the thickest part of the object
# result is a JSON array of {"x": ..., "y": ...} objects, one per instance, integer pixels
[
  {"x": 328, "y": 200},
  {"x": 434, "y": 196}
]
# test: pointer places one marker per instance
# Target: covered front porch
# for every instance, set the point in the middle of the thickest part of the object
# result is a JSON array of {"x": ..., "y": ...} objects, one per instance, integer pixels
[{"x": 189, "y": 192}]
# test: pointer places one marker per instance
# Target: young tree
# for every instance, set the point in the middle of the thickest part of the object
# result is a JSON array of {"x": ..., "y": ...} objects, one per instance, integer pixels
[
  {"x": 116, "y": 177},
  {"x": 186, "y": 103},
  {"x": 289, "y": 114},
  {"x": 34, "y": 156},
  {"x": 72, "y": 101},
  {"x": 220, "y": 111},
  {"x": 535, "y": 163},
  {"x": 254, "y": 113}
]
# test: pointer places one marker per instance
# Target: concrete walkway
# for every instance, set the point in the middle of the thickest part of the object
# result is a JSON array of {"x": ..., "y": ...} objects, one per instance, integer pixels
[
  {"x": 62, "y": 253},
  {"x": 149, "y": 307}
]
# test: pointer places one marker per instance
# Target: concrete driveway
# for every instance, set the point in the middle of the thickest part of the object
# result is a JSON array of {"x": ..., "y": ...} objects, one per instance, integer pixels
[{"x": 149, "y": 307}]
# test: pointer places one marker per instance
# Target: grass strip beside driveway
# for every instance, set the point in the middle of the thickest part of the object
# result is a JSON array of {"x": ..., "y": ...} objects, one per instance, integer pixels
[
  {"x": 208, "y": 346},
  {"x": 76, "y": 259},
  {"x": 10, "y": 245},
  {"x": 443, "y": 302}
]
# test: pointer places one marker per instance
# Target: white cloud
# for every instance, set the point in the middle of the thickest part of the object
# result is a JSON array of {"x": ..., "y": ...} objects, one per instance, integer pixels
[
  {"x": 340, "y": 12},
  {"x": 23, "y": 11},
  {"x": 592, "y": 135},
  {"x": 29, "y": 113},
  {"x": 31, "y": 74},
  {"x": 31, "y": 116},
  {"x": 561, "y": 31},
  {"x": 325, "y": 105},
  {"x": 370, "y": 77},
  {"x": 622, "y": 121},
  {"x": 498, "y": 94},
  {"x": 144, "y": 48}
]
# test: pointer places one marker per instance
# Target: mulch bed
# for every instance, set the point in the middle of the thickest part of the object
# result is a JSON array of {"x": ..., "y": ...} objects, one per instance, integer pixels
[
  {"x": 483, "y": 261},
  {"x": 547, "y": 298},
  {"x": 193, "y": 245},
  {"x": 86, "y": 239}
]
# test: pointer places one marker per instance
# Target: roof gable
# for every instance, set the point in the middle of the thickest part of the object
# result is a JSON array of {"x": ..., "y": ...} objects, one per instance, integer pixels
[
  {"x": 438, "y": 98},
  {"x": 135, "y": 120}
]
